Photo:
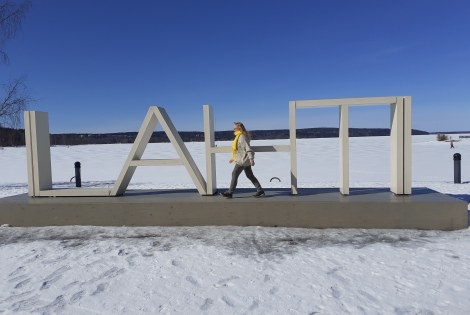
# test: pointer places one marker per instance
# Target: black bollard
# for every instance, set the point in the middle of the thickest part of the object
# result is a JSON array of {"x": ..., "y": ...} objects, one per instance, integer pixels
[
  {"x": 457, "y": 170},
  {"x": 78, "y": 176}
]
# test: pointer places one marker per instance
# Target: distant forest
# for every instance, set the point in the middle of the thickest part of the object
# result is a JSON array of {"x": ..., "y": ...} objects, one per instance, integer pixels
[{"x": 15, "y": 137}]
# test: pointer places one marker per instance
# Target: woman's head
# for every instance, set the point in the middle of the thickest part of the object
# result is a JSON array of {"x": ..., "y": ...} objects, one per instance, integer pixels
[{"x": 238, "y": 126}]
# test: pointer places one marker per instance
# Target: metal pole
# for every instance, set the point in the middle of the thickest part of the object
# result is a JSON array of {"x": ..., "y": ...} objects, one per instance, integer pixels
[
  {"x": 78, "y": 177},
  {"x": 457, "y": 169}
]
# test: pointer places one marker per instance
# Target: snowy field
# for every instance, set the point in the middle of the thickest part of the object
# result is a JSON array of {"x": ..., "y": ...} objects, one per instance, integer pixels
[{"x": 237, "y": 270}]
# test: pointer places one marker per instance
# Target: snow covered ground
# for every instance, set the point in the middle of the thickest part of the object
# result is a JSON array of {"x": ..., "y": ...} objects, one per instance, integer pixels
[{"x": 237, "y": 270}]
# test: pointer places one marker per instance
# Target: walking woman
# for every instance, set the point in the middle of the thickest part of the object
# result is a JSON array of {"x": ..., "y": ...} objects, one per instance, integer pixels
[{"x": 244, "y": 159}]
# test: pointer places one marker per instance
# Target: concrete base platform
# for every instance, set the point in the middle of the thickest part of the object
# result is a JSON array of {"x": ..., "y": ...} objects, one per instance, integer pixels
[{"x": 312, "y": 208}]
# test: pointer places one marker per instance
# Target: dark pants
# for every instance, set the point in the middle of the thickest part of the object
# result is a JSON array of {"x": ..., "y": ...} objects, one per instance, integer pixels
[{"x": 237, "y": 170}]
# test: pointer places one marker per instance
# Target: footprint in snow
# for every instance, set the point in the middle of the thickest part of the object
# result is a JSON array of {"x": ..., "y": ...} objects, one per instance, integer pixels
[
  {"x": 57, "y": 305},
  {"x": 21, "y": 284},
  {"x": 54, "y": 260},
  {"x": 130, "y": 260},
  {"x": 336, "y": 293},
  {"x": 253, "y": 306},
  {"x": 192, "y": 281},
  {"x": 26, "y": 304},
  {"x": 54, "y": 277},
  {"x": 368, "y": 296},
  {"x": 17, "y": 271},
  {"x": 226, "y": 281},
  {"x": 333, "y": 271},
  {"x": 32, "y": 259},
  {"x": 100, "y": 288},
  {"x": 411, "y": 310},
  {"x": 228, "y": 301},
  {"x": 267, "y": 278},
  {"x": 71, "y": 284},
  {"x": 176, "y": 263},
  {"x": 207, "y": 304},
  {"x": 335, "y": 274},
  {"x": 18, "y": 278},
  {"x": 273, "y": 290},
  {"x": 71, "y": 243},
  {"x": 111, "y": 273},
  {"x": 77, "y": 296},
  {"x": 108, "y": 274},
  {"x": 16, "y": 296},
  {"x": 146, "y": 253}
]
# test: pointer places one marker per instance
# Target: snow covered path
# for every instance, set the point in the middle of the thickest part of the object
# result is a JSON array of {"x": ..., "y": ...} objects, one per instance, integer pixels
[{"x": 232, "y": 270}]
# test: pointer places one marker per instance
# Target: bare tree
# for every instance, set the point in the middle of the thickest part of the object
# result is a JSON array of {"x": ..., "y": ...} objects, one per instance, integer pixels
[
  {"x": 11, "y": 16},
  {"x": 14, "y": 102},
  {"x": 14, "y": 96}
]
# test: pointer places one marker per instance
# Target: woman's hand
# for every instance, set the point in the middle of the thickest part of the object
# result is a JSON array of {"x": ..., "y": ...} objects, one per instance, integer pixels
[
  {"x": 252, "y": 162},
  {"x": 231, "y": 160}
]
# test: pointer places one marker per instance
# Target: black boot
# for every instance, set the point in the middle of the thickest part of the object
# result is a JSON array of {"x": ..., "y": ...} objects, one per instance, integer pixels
[
  {"x": 259, "y": 193},
  {"x": 227, "y": 194}
]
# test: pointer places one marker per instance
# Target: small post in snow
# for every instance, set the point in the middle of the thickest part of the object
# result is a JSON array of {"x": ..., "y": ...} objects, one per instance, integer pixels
[
  {"x": 78, "y": 176},
  {"x": 457, "y": 169}
]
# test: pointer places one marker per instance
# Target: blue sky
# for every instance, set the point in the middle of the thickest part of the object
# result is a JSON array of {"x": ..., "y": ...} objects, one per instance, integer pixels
[{"x": 96, "y": 66}]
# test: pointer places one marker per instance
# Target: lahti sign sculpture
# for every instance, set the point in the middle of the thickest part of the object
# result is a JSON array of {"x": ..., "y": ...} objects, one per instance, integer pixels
[{"x": 39, "y": 156}]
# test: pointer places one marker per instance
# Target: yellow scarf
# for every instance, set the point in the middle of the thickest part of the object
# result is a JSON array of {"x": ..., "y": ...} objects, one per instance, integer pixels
[{"x": 234, "y": 144}]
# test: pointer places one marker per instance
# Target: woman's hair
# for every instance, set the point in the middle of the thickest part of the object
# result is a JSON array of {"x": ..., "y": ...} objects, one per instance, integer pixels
[{"x": 243, "y": 129}]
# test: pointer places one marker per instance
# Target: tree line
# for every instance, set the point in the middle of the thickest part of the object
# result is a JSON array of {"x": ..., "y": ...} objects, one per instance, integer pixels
[{"x": 15, "y": 137}]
